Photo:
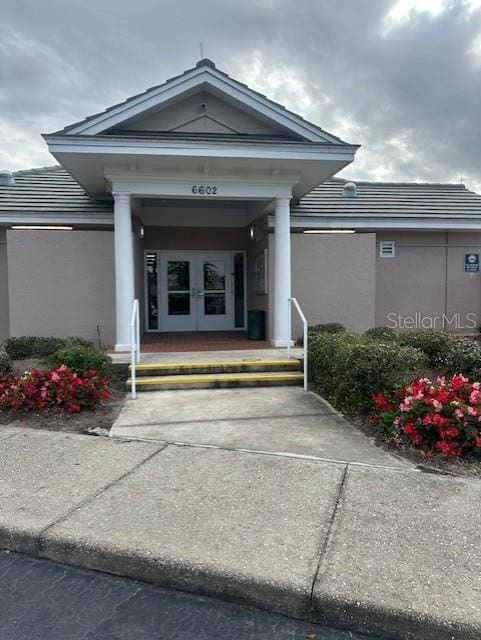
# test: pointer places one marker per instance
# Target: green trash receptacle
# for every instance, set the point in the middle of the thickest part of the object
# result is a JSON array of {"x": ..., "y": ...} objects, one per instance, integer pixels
[{"x": 256, "y": 325}]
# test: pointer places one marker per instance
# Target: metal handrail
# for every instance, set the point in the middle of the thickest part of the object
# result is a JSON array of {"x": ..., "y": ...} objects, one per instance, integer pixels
[
  {"x": 293, "y": 301},
  {"x": 134, "y": 346}
]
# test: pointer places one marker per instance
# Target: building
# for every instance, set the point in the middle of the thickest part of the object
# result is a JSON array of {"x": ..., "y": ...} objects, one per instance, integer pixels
[{"x": 204, "y": 199}]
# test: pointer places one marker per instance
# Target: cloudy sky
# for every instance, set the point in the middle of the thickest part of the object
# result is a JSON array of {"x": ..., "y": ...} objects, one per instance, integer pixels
[{"x": 400, "y": 77}]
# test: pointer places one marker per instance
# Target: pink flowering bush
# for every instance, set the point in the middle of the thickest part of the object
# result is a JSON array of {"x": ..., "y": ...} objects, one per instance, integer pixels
[
  {"x": 60, "y": 388},
  {"x": 440, "y": 417}
]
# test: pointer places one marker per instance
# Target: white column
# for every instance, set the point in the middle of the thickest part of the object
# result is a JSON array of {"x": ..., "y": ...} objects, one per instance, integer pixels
[
  {"x": 282, "y": 273},
  {"x": 124, "y": 269}
]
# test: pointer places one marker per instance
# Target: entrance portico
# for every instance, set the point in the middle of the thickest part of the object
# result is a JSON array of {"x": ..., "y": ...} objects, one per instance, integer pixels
[
  {"x": 199, "y": 141},
  {"x": 273, "y": 196}
]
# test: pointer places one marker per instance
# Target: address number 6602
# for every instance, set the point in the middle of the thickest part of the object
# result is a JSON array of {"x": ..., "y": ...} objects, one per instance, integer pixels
[{"x": 204, "y": 190}]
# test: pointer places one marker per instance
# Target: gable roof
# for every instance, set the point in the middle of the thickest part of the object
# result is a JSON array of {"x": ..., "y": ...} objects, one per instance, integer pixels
[
  {"x": 389, "y": 199},
  {"x": 204, "y": 73}
]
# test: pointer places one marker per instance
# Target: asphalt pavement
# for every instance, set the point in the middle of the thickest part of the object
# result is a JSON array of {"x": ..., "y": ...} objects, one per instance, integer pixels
[{"x": 42, "y": 600}]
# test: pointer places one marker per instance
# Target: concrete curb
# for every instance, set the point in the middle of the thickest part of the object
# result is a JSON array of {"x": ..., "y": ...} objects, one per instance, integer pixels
[{"x": 355, "y": 616}]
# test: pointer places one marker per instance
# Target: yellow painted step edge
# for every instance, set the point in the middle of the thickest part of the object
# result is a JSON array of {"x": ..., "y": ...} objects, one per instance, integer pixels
[
  {"x": 216, "y": 377},
  {"x": 223, "y": 363}
]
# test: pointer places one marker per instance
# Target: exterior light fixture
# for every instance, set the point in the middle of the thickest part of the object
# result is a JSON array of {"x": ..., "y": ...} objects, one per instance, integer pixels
[
  {"x": 141, "y": 231},
  {"x": 33, "y": 227},
  {"x": 252, "y": 233},
  {"x": 329, "y": 231}
]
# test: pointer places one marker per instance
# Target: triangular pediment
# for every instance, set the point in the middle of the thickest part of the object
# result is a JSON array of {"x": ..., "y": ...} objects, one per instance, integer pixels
[
  {"x": 203, "y": 112},
  {"x": 202, "y": 100}
]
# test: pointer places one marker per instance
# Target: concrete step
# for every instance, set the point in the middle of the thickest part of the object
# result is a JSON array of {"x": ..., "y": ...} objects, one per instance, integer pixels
[
  {"x": 221, "y": 366},
  {"x": 218, "y": 380}
]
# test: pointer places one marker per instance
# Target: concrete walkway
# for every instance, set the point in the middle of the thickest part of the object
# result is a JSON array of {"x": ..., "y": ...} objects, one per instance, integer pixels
[
  {"x": 284, "y": 420},
  {"x": 383, "y": 550}
]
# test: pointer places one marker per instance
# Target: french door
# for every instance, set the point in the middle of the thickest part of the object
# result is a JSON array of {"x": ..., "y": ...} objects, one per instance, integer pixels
[{"x": 194, "y": 291}]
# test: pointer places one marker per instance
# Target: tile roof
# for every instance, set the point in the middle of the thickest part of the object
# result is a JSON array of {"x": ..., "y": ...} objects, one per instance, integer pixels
[
  {"x": 389, "y": 199},
  {"x": 52, "y": 190},
  {"x": 49, "y": 190}
]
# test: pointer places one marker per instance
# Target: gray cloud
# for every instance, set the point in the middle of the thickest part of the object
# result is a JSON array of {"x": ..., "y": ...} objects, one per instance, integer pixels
[{"x": 410, "y": 95}]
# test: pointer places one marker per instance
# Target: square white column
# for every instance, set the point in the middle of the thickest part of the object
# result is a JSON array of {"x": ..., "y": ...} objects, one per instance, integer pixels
[
  {"x": 282, "y": 273},
  {"x": 124, "y": 269}
]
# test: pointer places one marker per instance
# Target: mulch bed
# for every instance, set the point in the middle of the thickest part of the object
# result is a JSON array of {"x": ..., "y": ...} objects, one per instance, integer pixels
[{"x": 467, "y": 466}]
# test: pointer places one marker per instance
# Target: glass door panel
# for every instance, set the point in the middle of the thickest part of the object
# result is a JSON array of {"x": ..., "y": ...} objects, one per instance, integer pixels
[
  {"x": 214, "y": 287},
  {"x": 214, "y": 309},
  {"x": 178, "y": 287},
  {"x": 177, "y": 292}
]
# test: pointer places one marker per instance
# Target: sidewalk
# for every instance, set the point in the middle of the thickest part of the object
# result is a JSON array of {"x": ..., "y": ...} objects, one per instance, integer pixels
[{"x": 388, "y": 551}]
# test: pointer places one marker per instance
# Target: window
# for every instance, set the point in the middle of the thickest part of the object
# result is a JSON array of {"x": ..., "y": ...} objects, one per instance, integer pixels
[{"x": 387, "y": 249}]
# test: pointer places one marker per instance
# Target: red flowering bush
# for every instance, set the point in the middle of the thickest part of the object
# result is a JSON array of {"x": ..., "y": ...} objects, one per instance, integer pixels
[
  {"x": 441, "y": 417},
  {"x": 61, "y": 388}
]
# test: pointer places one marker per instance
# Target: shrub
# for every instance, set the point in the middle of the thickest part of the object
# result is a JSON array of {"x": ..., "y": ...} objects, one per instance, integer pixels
[
  {"x": 441, "y": 417},
  {"x": 19, "y": 348},
  {"x": 60, "y": 388},
  {"x": 348, "y": 369},
  {"x": 81, "y": 359},
  {"x": 328, "y": 327},
  {"x": 463, "y": 354},
  {"x": 5, "y": 364},
  {"x": 36, "y": 346},
  {"x": 380, "y": 333},
  {"x": 434, "y": 344}
]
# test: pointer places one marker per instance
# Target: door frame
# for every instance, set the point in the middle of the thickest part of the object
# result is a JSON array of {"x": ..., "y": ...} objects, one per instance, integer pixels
[{"x": 196, "y": 252}]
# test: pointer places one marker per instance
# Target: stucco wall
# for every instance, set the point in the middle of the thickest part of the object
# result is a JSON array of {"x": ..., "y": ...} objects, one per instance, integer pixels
[
  {"x": 426, "y": 282},
  {"x": 62, "y": 283},
  {"x": 4, "y": 312},
  {"x": 333, "y": 277}
]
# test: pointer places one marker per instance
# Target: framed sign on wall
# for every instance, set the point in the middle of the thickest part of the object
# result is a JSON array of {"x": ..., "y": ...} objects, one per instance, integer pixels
[{"x": 260, "y": 273}]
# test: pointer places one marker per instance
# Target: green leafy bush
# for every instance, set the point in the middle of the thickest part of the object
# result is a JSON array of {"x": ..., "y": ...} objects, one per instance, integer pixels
[
  {"x": 447, "y": 354},
  {"x": 328, "y": 327},
  {"x": 80, "y": 359},
  {"x": 463, "y": 356},
  {"x": 380, "y": 333},
  {"x": 39, "y": 347},
  {"x": 19, "y": 348},
  {"x": 434, "y": 344},
  {"x": 349, "y": 369},
  {"x": 5, "y": 364}
]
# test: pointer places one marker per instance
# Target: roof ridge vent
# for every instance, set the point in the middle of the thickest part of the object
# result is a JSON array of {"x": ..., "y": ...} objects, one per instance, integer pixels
[
  {"x": 6, "y": 178},
  {"x": 349, "y": 190}
]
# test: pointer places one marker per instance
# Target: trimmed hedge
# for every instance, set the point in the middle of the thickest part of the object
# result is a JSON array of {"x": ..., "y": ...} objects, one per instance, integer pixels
[
  {"x": 80, "y": 359},
  {"x": 463, "y": 356},
  {"x": 5, "y": 364},
  {"x": 348, "y": 369},
  {"x": 383, "y": 333},
  {"x": 39, "y": 347},
  {"x": 434, "y": 344},
  {"x": 328, "y": 327},
  {"x": 447, "y": 354}
]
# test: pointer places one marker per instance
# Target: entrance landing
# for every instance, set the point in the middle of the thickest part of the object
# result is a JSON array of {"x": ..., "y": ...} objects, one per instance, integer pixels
[{"x": 200, "y": 341}]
